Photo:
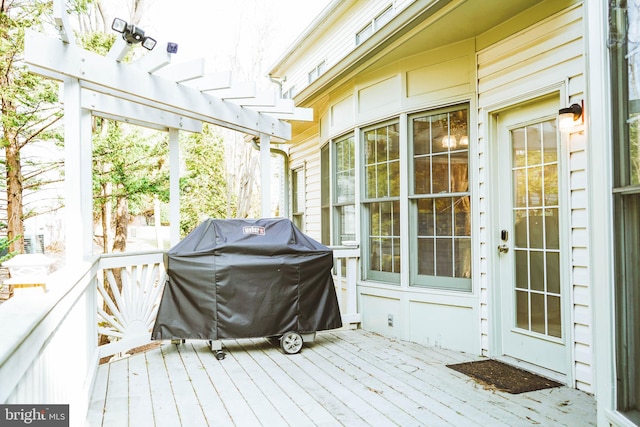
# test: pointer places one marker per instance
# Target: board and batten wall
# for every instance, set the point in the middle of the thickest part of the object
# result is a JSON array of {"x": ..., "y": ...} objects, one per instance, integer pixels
[{"x": 549, "y": 54}]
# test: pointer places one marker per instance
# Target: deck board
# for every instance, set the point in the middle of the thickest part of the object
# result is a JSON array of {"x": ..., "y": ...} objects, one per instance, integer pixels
[{"x": 353, "y": 378}]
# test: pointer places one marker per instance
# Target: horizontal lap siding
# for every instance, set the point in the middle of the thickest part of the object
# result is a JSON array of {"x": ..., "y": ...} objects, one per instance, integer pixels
[
  {"x": 307, "y": 153},
  {"x": 340, "y": 39},
  {"x": 548, "y": 53}
]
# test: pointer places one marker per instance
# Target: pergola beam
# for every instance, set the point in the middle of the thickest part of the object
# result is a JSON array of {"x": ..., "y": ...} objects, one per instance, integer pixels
[
  {"x": 125, "y": 111},
  {"x": 129, "y": 82}
]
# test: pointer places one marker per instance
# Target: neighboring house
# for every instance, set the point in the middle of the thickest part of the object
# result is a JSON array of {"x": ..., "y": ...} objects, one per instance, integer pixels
[{"x": 483, "y": 227}]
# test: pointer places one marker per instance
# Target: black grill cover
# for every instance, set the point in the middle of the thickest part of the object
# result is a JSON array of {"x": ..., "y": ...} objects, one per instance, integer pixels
[{"x": 237, "y": 278}]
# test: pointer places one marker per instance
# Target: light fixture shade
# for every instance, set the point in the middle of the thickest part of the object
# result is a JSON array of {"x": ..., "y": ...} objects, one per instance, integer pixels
[
  {"x": 568, "y": 116},
  {"x": 464, "y": 141},
  {"x": 119, "y": 25},
  {"x": 449, "y": 141},
  {"x": 148, "y": 43}
]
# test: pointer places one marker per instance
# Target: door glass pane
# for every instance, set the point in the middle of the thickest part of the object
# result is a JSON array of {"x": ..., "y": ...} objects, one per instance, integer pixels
[
  {"x": 536, "y": 275},
  {"x": 534, "y": 160},
  {"x": 522, "y": 309},
  {"x": 553, "y": 272},
  {"x": 553, "y": 319},
  {"x": 537, "y": 313}
]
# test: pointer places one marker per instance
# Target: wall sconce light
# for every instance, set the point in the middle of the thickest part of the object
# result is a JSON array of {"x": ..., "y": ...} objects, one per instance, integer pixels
[
  {"x": 132, "y": 34},
  {"x": 567, "y": 117}
]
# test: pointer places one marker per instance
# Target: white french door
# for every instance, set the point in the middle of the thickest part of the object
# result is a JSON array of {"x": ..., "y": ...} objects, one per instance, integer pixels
[{"x": 531, "y": 285}]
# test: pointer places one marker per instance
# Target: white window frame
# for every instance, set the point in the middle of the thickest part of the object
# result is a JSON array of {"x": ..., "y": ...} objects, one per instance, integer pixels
[{"x": 376, "y": 23}]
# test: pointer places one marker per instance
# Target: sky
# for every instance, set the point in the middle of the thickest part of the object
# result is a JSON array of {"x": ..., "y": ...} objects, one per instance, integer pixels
[{"x": 219, "y": 30}]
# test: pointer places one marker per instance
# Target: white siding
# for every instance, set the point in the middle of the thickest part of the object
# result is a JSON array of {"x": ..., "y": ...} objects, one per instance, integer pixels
[
  {"x": 546, "y": 54},
  {"x": 307, "y": 155},
  {"x": 340, "y": 39}
]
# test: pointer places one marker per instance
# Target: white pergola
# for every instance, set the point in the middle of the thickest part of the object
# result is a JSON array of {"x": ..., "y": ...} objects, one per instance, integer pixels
[{"x": 149, "y": 92}]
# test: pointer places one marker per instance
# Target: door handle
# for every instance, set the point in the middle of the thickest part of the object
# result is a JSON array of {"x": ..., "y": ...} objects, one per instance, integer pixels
[{"x": 503, "y": 249}]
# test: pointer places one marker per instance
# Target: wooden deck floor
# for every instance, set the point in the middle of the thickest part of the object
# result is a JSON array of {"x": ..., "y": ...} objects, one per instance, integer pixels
[{"x": 348, "y": 378}]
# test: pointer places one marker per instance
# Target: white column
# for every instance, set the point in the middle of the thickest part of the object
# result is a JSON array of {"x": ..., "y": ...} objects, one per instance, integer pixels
[
  {"x": 265, "y": 174},
  {"x": 174, "y": 186},
  {"x": 78, "y": 175}
]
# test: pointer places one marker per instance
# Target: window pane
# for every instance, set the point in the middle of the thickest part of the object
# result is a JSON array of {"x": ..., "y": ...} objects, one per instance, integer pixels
[
  {"x": 426, "y": 259},
  {"x": 374, "y": 219},
  {"x": 375, "y": 257},
  {"x": 444, "y": 258},
  {"x": 440, "y": 174},
  {"x": 383, "y": 18},
  {"x": 387, "y": 255},
  {"x": 422, "y": 183},
  {"x": 421, "y": 136},
  {"x": 382, "y": 180},
  {"x": 463, "y": 257},
  {"x": 459, "y": 171},
  {"x": 385, "y": 237},
  {"x": 462, "y": 209},
  {"x": 444, "y": 216},
  {"x": 346, "y": 223},
  {"x": 439, "y": 129},
  {"x": 386, "y": 219},
  {"x": 426, "y": 217},
  {"x": 371, "y": 175},
  {"x": 394, "y": 179}
]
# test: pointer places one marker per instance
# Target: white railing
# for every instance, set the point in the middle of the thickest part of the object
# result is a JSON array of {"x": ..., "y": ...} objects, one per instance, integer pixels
[
  {"x": 49, "y": 348},
  {"x": 345, "y": 278},
  {"x": 127, "y": 310}
]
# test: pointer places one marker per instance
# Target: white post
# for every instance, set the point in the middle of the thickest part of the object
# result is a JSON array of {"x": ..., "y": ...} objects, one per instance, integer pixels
[
  {"x": 265, "y": 174},
  {"x": 78, "y": 175},
  {"x": 174, "y": 186}
]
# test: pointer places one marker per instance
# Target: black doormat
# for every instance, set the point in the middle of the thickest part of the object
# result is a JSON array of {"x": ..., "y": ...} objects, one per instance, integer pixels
[{"x": 504, "y": 377}]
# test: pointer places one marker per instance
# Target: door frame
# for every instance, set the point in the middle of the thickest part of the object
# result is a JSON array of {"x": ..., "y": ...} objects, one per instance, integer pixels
[{"x": 495, "y": 319}]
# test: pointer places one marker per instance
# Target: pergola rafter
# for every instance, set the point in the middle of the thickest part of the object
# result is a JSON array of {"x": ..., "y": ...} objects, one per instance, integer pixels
[{"x": 149, "y": 92}]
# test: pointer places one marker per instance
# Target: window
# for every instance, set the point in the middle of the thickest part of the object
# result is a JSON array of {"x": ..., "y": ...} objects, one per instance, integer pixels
[
  {"x": 317, "y": 71},
  {"x": 345, "y": 194},
  {"x": 298, "y": 192},
  {"x": 440, "y": 200},
  {"x": 374, "y": 25},
  {"x": 381, "y": 202},
  {"x": 289, "y": 94},
  {"x": 625, "y": 73}
]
